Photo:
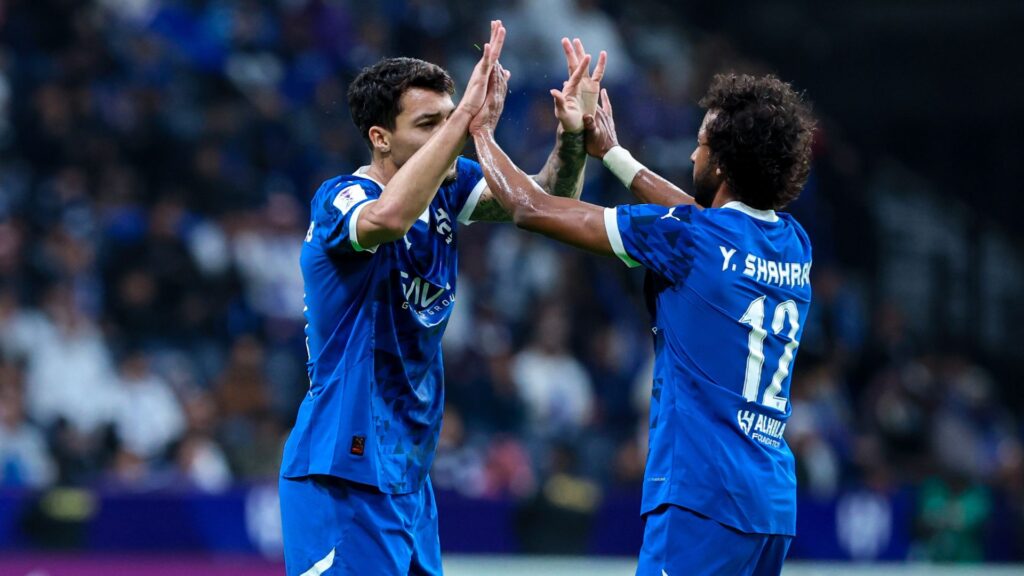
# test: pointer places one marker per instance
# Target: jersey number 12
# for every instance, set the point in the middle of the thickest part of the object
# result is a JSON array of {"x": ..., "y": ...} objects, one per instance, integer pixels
[{"x": 754, "y": 317}]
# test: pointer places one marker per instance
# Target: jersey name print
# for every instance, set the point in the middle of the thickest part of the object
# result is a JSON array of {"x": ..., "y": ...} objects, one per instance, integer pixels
[{"x": 729, "y": 292}]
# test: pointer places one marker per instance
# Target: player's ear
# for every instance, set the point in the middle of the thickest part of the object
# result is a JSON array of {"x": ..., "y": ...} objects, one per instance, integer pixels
[{"x": 380, "y": 138}]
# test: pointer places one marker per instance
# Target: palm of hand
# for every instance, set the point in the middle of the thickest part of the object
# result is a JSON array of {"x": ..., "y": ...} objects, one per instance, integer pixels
[
  {"x": 578, "y": 96},
  {"x": 497, "y": 88},
  {"x": 570, "y": 114}
]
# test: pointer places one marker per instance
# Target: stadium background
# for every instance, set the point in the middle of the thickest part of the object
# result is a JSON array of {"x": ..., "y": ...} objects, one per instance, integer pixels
[{"x": 156, "y": 161}]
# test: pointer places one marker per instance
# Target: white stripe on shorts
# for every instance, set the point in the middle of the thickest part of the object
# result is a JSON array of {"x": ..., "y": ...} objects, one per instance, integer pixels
[{"x": 321, "y": 566}]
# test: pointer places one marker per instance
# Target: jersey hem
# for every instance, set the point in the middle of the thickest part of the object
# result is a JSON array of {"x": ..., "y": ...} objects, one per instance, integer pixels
[{"x": 748, "y": 529}]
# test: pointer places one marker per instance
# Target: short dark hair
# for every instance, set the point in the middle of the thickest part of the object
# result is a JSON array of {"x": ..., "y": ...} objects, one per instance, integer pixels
[
  {"x": 760, "y": 138},
  {"x": 374, "y": 96}
]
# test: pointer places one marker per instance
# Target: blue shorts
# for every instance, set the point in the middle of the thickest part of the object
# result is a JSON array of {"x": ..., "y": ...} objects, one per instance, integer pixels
[
  {"x": 334, "y": 527},
  {"x": 680, "y": 542}
]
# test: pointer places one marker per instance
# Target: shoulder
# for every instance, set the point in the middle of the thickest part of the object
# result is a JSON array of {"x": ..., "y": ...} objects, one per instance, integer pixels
[
  {"x": 464, "y": 164},
  {"x": 797, "y": 228},
  {"x": 332, "y": 186},
  {"x": 649, "y": 213},
  {"x": 344, "y": 191}
]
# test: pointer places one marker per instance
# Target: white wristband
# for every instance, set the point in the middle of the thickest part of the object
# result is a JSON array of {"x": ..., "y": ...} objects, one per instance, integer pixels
[{"x": 622, "y": 164}]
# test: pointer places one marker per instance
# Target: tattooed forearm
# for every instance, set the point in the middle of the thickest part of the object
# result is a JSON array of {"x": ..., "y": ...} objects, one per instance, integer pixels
[
  {"x": 489, "y": 210},
  {"x": 562, "y": 175}
]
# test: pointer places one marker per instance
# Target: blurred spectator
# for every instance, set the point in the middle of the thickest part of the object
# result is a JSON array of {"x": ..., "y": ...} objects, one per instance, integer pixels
[
  {"x": 509, "y": 470},
  {"x": 149, "y": 417},
  {"x": 555, "y": 386},
  {"x": 968, "y": 428},
  {"x": 248, "y": 428},
  {"x": 199, "y": 459},
  {"x": 70, "y": 377},
  {"x": 459, "y": 464},
  {"x": 267, "y": 256},
  {"x": 952, "y": 512},
  {"x": 24, "y": 456}
]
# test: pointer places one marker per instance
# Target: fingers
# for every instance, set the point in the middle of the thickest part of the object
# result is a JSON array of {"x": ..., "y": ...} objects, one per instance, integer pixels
[
  {"x": 492, "y": 49},
  {"x": 494, "y": 31},
  {"x": 602, "y": 60},
  {"x": 497, "y": 40},
  {"x": 501, "y": 76},
  {"x": 559, "y": 99},
  {"x": 606, "y": 104},
  {"x": 577, "y": 74},
  {"x": 578, "y": 47},
  {"x": 570, "y": 54}
]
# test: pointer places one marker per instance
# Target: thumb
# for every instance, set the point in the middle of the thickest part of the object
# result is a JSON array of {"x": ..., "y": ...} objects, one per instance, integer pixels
[
  {"x": 588, "y": 121},
  {"x": 559, "y": 98}
]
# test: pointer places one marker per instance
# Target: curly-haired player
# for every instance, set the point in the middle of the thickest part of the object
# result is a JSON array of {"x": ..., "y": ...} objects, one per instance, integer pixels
[{"x": 728, "y": 288}]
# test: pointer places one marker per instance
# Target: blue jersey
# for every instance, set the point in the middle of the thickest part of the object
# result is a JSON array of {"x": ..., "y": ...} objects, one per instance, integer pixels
[
  {"x": 729, "y": 291},
  {"x": 375, "y": 320}
]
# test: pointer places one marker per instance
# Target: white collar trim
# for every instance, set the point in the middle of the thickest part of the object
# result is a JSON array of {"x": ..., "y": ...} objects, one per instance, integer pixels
[
  {"x": 361, "y": 172},
  {"x": 766, "y": 215}
]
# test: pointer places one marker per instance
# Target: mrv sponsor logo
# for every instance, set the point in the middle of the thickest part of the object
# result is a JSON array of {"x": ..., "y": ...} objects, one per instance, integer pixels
[
  {"x": 424, "y": 297},
  {"x": 764, "y": 429}
]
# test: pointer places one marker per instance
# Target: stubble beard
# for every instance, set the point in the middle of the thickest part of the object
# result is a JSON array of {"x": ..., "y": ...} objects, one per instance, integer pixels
[{"x": 705, "y": 186}]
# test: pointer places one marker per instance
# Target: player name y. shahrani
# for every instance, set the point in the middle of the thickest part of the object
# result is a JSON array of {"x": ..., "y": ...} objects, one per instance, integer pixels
[{"x": 776, "y": 272}]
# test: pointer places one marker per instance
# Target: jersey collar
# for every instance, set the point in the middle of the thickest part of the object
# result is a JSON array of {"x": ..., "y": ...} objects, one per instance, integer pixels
[
  {"x": 361, "y": 172},
  {"x": 766, "y": 215}
]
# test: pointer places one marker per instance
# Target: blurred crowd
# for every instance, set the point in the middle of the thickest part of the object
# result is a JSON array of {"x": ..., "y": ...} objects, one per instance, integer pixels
[{"x": 157, "y": 160}]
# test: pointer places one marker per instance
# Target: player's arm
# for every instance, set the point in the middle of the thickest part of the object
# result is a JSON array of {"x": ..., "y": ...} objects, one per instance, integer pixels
[
  {"x": 562, "y": 174},
  {"x": 602, "y": 143},
  {"x": 566, "y": 219},
  {"x": 412, "y": 188}
]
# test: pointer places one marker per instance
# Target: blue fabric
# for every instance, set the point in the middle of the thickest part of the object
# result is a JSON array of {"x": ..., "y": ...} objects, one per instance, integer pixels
[
  {"x": 679, "y": 542},
  {"x": 713, "y": 450},
  {"x": 375, "y": 320},
  {"x": 351, "y": 529}
]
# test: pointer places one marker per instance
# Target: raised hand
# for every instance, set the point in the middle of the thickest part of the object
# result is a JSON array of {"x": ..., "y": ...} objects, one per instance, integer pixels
[
  {"x": 600, "y": 136},
  {"x": 568, "y": 106},
  {"x": 586, "y": 90},
  {"x": 497, "y": 89},
  {"x": 476, "y": 88}
]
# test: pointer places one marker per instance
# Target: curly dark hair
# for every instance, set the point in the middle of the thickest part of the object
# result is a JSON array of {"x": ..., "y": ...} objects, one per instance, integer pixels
[
  {"x": 760, "y": 138},
  {"x": 374, "y": 96}
]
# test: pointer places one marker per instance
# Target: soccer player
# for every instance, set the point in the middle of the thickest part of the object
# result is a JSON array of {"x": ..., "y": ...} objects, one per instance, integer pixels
[
  {"x": 727, "y": 286},
  {"x": 379, "y": 266}
]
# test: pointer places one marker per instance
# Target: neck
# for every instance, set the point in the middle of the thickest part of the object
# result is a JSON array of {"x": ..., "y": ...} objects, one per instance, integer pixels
[
  {"x": 381, "y": 169},
  {"x": 723, "y": 196}
]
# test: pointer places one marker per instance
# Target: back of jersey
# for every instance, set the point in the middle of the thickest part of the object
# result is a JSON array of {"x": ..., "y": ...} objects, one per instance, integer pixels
[{"x": 729, "y": 290}]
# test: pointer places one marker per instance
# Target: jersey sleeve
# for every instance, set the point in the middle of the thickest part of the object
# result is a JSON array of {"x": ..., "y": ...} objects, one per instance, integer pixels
[
  {"x": 469, "y": 186},
  {"x": 337, "y": 216},
  {"x": 658, "y": 238}
]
